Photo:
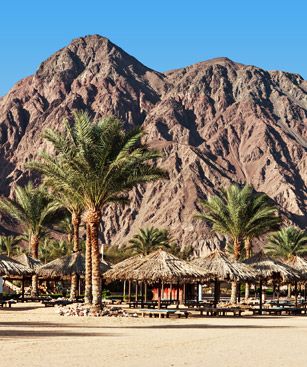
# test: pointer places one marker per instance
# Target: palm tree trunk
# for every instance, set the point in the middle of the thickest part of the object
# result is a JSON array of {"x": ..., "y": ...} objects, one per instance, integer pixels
[
  {"x": 93, "y": 220},
  {"x": 88, "y": 267},
  {"x": 34, "y": 241},
  {"x": 248, "y": 254},
  {"x": 237, "y": 252},
  {"x": 75, "y": 219}
]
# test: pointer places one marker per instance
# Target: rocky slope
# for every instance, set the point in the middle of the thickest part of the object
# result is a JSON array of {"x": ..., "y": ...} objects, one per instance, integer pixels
[{"x": 217, "y": 122}]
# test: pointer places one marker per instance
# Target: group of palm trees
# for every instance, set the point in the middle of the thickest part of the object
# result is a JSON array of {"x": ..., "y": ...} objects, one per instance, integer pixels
[{"x": 92, "y": 165}]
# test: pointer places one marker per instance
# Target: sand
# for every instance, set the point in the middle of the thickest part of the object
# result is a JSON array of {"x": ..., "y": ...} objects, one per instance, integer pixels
[{"x": 31, "y": 335}]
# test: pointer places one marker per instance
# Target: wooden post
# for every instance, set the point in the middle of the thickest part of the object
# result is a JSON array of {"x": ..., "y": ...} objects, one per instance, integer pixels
[
  {"x": 184, "y": 295},
  {"x": 159, "y": 295},
  {"x": 142, "y": 294},
  {"x": 260, "y": 300},
  {"x": 216, "y": 292},
  {"x": 145, "y": 291},
  {"x": 177, "y": 295},
  {"x": 136, "y": 291},
  {"x": 295, "y": 290},
  {"x": 239, "y": 292},
  {"x": 162, "y": 290},
  {"x": 124, "y": 291},
  {"x": 129, "y": 291},
  {"x": 23, "y": 289},
  {"x": 171, "y": 292}
]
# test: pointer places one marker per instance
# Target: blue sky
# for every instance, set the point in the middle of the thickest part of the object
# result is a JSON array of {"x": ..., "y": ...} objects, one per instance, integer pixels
[{"x": 162, "y": 34}]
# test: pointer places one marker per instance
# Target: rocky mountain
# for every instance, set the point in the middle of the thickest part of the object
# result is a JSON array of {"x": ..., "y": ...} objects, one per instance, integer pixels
[{"x": 216, "y": 121}]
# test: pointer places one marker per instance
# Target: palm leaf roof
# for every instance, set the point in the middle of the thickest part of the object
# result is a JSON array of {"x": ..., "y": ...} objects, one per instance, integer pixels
[
  {"x": 66, "y": 266},
  {"x": 157, "y": 266},
  {"x": 223, "y": 268},
  {"x": 11, "y": 267}
]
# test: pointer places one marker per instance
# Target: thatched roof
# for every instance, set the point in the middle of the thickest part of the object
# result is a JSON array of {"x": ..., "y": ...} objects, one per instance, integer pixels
[
  {"x": 66, "y": 266},
  {"x": 299, "y": 264},
  {"x": 157, "y": 266},
  {"x": 223, "y": 268},
  {"x": 28, "y": 261},
  {"x": 11, "y": 267},
  {"x": 269, "y": 268}
]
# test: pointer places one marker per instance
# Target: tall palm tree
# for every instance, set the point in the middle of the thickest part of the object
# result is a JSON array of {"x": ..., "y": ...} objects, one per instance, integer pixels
[
  {"x": 34, "y": 210},
  {"x": 148, "y": 240},
  {"x": 105, "y": 163},
  {"x": 287, "y": 242},
  {"x": 240, "y": 214}
]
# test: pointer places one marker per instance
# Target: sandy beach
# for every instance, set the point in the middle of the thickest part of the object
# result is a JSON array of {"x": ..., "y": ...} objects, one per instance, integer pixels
[{"x": 31, "y": 335}]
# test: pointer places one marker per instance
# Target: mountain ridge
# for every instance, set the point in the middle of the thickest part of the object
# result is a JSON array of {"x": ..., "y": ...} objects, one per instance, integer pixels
[{"x": 217, "y": 122}]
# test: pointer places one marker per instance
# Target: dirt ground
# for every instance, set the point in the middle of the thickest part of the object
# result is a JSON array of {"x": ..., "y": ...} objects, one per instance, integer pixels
[{"x": 32, "y": 336}]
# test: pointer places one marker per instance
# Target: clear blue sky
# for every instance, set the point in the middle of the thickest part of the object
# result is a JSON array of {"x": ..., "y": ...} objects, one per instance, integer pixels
[{"x": 162, "y": 34}]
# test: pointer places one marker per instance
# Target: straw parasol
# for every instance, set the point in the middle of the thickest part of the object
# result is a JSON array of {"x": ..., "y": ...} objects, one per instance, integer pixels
[
  {"x": 159, "y": 266},
  {"x": 299, "y": 264},
  {"x": 28, "y": 261},
  {"x": 11, "y": 267},
  {"x": 120, "y": 270},
  {"x": 269, "y": 268},
  {"x": 224, "y": 269},
  {"x": 67, "y": 266}
]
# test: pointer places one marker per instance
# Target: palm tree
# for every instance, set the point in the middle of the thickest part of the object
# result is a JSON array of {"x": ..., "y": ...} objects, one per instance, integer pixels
[
  {"x": 240, "y": 214},
  {"x": 105, "y": 163},
  {"x": 8, "y": 244},
  {"x": 184, "y": 253},
  {"x": 287, "y": 242},
  {"x": 34, "y": 210},
  {"x": 148, "y": 240}
]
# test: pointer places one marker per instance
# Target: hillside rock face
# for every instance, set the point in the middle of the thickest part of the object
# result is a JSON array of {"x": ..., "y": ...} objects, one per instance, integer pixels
[{"x": 216, "y": 121}]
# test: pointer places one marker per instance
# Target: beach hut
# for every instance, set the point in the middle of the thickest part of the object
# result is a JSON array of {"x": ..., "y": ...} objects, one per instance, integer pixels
[
  {"x": 29, "y": 262},
  {"x": 157, "y": 268},
  {"x": 299, "y": 264},
  {"x": 11, "y": 268},
  {"x": 67, "y": 266},
  {"x": 224, "y": 269},
  {"x": 271, "y": 270}
]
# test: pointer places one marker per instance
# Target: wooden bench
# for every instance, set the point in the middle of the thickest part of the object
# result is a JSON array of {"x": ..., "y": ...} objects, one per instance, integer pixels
[
  {"x": 6, "y": 304},
  {"x": 163, "y": 313},
  {"x": 52, "y": 303},
  {"x": 219, "y": 311}
]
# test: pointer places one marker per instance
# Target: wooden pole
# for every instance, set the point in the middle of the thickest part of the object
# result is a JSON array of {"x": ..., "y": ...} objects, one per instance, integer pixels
[
  {"x": 136, "y": 291},
  {"x": 239, "y": 292},
  {"x": 295, "y": 290},
  {"x": 260, "y": 300},
  {"x": 177, "y": 295},
  {"x": 124, "y": 291},
  {"x": 23, "y": 289},
  {"x": 145, "y": 291},
  {"x": 159, "y": 294},
  {"x": 216, "y": 292},
  {"x": 142, "y": 294},
  {"x": 129, "y": 291},
  {"x": 171, "y": 292}
]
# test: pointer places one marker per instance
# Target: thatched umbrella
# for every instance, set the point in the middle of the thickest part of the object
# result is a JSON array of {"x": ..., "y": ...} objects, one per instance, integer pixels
[
  {"x": 271, "y": 269},
  {"x": 66, "y": 266},
  {"x": 224, "y": 269},
  {"x": 299, "y": 264},
  {"x": 11, "y": 267},
  {"x": 157, "y": 267},
  {"x": 29, "y": 262},
  {"x": 119, "y": 271}
]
